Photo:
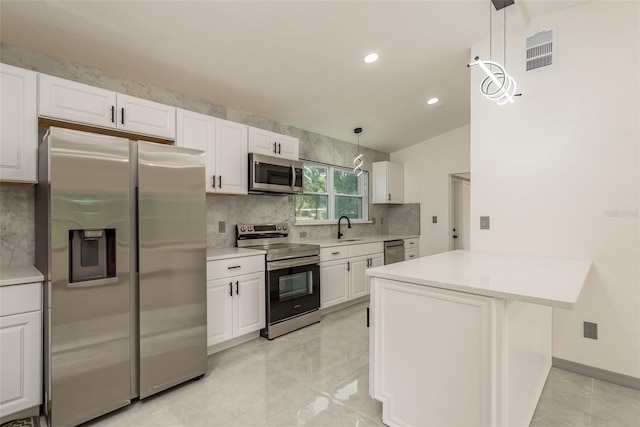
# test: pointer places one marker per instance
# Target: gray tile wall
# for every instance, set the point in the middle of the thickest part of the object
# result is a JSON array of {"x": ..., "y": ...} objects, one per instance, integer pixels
[{"x": 16, "y": 204}]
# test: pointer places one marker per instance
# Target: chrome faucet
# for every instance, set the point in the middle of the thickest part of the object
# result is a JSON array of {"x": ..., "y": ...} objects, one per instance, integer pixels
[{"x": 348, "y": 222}]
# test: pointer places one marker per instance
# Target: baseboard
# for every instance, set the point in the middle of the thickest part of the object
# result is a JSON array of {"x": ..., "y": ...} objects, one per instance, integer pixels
[
  {"x": 343, "y": 305},
  {"x": 216, "y": 348},
  {"x": 597, "y": 373}
]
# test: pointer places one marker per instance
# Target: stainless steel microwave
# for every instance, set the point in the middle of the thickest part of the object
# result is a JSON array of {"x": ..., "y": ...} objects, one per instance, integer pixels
[{"x": 274, "y": 175}]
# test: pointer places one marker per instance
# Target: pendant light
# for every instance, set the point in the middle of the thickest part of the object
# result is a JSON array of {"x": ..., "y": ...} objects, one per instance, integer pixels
[
  {"x": 358, "y": 162},
  {"x": 498, "y": 85}
]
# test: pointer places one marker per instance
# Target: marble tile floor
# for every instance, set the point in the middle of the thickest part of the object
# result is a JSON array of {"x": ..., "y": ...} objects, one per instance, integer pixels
[{"x": 319, "y": 376}]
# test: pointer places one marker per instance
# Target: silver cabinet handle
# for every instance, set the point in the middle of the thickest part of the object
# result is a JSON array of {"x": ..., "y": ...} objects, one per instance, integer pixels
[{"x": 234, "y": 267}]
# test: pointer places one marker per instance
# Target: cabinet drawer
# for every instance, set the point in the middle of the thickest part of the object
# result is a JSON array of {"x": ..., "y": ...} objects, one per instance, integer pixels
[
  {"x": 334, "y": 252},
  {"x": 18, "y": 299},
  {"x": 366, "y": 249},
  {"x": 413, "y": 243},
  {"x": 235, "y": 266},
  {"x": 411, "y": 254}
]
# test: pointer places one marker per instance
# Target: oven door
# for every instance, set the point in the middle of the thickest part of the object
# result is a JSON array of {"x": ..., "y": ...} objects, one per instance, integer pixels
[{"x": 293, "y": 288}]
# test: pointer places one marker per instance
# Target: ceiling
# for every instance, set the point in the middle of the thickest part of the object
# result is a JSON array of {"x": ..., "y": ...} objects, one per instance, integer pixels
[{"x": 297, "y": 62}]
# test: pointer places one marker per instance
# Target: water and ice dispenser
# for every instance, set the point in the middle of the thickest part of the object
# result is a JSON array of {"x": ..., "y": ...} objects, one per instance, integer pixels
[{"x": 92, "y": 254}]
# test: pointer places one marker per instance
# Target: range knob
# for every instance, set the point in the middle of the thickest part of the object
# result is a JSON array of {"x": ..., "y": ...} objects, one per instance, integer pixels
[
  {"x": 278, "y": 228},
  {"x": 250, "y": 229},
  {"x": 284, "y": 227},
  {"x": 242, "y": 229}
]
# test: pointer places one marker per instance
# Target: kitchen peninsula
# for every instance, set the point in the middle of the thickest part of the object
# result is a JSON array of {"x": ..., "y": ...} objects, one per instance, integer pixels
[{"x": 464, "y": 337}]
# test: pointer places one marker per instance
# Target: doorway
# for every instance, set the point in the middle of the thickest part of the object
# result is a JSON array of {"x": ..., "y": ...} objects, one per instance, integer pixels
[{"x": 459, "y": 211}]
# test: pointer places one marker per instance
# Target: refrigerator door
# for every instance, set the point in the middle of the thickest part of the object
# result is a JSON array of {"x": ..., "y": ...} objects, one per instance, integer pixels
[
  {"x": 89, "y": 333},
  {"x": 172, "y": 266}
]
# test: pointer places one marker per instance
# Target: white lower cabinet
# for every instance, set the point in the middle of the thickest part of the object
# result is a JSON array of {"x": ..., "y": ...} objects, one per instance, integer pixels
[
  {"x": 411, "y": 248},
  {"x": 342, "y": 271},
  {"x": 236, "y": 303},
  {"x": 20, "y": 349}
]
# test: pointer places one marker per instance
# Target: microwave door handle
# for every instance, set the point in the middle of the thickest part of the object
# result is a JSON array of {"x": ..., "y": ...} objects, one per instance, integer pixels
[{"x": 292, "y": 176}]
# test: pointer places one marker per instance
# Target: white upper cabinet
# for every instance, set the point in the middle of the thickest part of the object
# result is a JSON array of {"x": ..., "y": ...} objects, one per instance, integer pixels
[
  {"x": 76, "y": 102},
  {"x": 273, "y": 144},
  {"x": 18, "y": 124},
  {"x": 137, "y": 115},
  {"x": 224, "y": 142},
  {"x": 67, "y": 100},
  {"x": 388, "y": 182}
]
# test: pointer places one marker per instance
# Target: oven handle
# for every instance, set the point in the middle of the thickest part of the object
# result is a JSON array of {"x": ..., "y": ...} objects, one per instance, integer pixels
[{"x": 288, "y": 263}]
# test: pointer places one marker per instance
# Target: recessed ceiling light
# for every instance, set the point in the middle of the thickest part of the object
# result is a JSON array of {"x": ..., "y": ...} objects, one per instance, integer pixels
[
  {"x": 372, "y": 57},
  {"x": 433, "y": 101}
]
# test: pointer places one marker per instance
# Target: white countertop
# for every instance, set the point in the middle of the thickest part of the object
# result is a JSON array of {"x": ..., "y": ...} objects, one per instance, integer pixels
[
  {"x": 554, "y": 282},
  {"x": 348, "y": 240},
  {"x": 20, "y": 275},
  {"x": 214, "y": 254}
]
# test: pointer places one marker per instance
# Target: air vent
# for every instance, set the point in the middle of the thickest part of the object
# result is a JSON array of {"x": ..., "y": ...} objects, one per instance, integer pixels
[{"x": 540, "y": 50}]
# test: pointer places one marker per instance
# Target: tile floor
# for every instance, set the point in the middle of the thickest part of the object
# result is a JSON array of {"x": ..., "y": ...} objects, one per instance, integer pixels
[{"x": 319, "y": 376}]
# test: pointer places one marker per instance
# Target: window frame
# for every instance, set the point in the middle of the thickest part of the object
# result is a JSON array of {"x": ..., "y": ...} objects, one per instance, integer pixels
[{"x": 363, "y": 188}]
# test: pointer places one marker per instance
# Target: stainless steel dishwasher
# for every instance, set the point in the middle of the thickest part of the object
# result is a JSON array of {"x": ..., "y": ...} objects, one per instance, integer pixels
[{"x": 393, "y": 251}]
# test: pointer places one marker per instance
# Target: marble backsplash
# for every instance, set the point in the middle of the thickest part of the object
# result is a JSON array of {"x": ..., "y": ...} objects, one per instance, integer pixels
[
  {"x": 17, "y": 201},
  {"x": 17, "y": 236}
]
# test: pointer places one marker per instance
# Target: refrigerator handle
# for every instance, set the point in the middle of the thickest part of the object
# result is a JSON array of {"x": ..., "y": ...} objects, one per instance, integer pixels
[{"x": 230, "y": 289}]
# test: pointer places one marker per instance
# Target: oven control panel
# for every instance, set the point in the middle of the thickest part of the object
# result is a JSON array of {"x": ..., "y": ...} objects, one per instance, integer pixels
[{"x": 264, "y": 230}]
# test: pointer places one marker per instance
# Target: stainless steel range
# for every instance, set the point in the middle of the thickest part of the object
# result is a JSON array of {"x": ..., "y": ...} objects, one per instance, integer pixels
[{"x": 292, "y": 277}]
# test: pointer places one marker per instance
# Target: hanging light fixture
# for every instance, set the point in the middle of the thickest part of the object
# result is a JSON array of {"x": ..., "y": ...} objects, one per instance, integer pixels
[
  {"x": 498, "y": 85},
  {"x": 358, "y": 162}
]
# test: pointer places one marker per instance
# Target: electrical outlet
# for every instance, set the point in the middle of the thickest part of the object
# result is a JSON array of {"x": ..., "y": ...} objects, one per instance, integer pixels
[
  {"x": 434, "y": 219},
  {"x": 373, "y": 221},
  {"x": 222, "y": 227},
  {"x": 591, "y": 330},
  {"x": 303, "y": 234},
  {"x": 381, "y": 221}
]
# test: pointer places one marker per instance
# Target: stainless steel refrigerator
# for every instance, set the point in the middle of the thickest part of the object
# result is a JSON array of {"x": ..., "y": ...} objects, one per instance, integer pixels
[{"x": 120, "y": 237}]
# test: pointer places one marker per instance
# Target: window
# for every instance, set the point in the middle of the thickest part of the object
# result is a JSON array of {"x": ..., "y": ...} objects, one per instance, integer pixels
[{"x": 330, "y": 192}]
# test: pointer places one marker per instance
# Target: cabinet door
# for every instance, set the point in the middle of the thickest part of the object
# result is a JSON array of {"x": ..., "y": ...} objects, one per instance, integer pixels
[
  {"x": 19, "y": 125},
  {"x": 287, "y": 147},
  {"x": 262, "y": 142},
  {"x": 396, "y": 183},
  {"x": 249, "y": 305},
  {"x": 138, "y": 115},
  {"x": 231, "y": 157},
  {"x": 76, "y": 102},
  {"x": 219, "y": 311},
  {"x": 198, "y": 131},
  {"x": 377, "y": 260},
  {"x": 334, "y": 281},
  {"x": 20, "y": 362},
  {"x": 357, "y": 279}
]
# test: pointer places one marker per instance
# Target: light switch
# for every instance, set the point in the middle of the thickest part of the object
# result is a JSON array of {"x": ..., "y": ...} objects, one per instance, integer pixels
[
  {"x": 484, "y": 223},
  {"x": 434, "y": 219}
]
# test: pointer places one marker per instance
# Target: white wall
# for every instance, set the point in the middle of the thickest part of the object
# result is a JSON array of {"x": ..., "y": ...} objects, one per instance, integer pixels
[
  {"x": 427, "y": 166},
  {"x": 558, "y": 172}
]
